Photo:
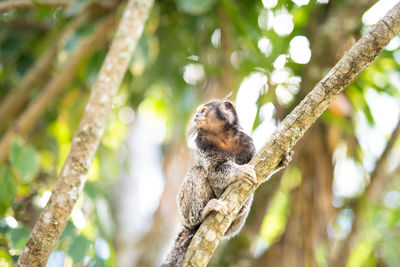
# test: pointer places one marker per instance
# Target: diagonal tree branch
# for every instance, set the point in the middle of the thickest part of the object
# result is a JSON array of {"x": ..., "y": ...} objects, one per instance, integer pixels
[
  {"x": 291, "y": 130},
  {"x": 392, "y": 174},
  {"x": 55, "y": 86},
  {"x": 380, "y": 169},
  {"x": 17, "y": 4},
  {"x": 29, "y": 3},
  {"x": 15, "y": 101},
  {"x": 377, "y": 180},
  {"x": 72, "y": 177}
]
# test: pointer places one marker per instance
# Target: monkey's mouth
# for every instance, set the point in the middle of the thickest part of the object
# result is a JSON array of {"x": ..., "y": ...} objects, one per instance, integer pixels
[{"x": 199, "y": 121}]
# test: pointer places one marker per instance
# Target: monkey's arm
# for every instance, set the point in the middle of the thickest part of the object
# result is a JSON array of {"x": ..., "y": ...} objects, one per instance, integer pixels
[
  {"x": 222, "y": 174},
  {"x": 223, "y": 171}
]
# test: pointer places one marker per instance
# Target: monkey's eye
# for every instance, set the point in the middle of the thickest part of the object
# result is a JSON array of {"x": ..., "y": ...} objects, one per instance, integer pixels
[{"x": 202, "y": 109}]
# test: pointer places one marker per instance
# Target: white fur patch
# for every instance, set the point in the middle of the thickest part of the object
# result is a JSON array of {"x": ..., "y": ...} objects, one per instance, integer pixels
[{"x": 230, "y": 117}]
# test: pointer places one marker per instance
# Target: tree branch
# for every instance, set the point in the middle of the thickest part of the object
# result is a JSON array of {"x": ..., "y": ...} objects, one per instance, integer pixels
[
  {"x": 29, "y": 3},
  {"x": 291, "y": 130},
  {"x": 393, "y": 173},
  {"x": 28, "y": 118},
  {"x": 72, "y": 177},
  {"x": 14, "y": 102},
  {"x": 358, "y": 207},
  {"x": 380, "y": 169}
]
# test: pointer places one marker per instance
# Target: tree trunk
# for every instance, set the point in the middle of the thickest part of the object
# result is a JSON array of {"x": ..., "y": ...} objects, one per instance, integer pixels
[{"x": 72, "y": 177}]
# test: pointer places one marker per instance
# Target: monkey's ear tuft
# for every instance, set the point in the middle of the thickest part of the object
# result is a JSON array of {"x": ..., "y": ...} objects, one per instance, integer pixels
[
  {"x": 229, "y": 112},
  {"x": 228, "y": 105}
]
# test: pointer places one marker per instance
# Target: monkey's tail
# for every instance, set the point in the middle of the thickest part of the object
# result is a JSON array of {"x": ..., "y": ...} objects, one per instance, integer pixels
[{"x": 175, "y": 256}]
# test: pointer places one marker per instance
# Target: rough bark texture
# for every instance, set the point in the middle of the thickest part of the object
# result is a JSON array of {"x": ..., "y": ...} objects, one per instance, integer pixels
[
  {"x": 376, "y": 185},
  {"x": 72, "y": 177},
  {"x": 239, "y": 251},
  {"x": 292, "y": 128},
  {"x": 15, "y": 101},
  {"x": 59, "y": 83}
]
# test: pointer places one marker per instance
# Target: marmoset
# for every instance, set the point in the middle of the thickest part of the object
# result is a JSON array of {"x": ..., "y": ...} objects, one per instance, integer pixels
[{"x": 223, "y": 150}]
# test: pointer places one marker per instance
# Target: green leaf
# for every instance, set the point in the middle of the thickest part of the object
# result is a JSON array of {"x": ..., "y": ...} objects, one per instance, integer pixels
[
  {"x": 8, "y": 189},
  {"x": 19, "y": 236},
  {"x": 5, "y": 259},
  {"x": 69, "y": 231},
  {"x": 25, "y": 160},
  {"x": 195, "y": 7},
  {"x": 99, "y": 262},
  {"x": 78, "y": 248},
  {"x": 91, "y": 190}
]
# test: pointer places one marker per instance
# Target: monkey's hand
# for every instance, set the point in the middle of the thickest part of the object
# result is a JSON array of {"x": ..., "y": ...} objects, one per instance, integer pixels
[
  {"x": 247, "y": 173},
  {"x": 214, "y": 204}
]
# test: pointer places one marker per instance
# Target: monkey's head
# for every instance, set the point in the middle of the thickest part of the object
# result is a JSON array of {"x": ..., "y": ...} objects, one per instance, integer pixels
[{"x": 215, "y": 116}]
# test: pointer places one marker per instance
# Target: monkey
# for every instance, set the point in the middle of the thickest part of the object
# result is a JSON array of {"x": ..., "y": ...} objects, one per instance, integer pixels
[{"x": 223, "y": 151}]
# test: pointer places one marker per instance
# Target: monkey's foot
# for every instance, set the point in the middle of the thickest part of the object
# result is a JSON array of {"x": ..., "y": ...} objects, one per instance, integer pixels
[
  {"x": 215, "y": 204},
  {"x": 286, "y": 159},
  {"x": 248, "y": 173}
]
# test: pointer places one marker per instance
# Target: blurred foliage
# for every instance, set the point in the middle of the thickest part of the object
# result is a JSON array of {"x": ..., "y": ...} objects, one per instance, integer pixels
[{"x": 178, "y": 34}]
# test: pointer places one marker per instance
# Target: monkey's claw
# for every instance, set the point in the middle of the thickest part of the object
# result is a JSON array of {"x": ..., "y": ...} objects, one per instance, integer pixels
[
  {"x": 286, "y": 159},
  {"x": 249, "y": 173},
  {"x": 215, "y": 204}
]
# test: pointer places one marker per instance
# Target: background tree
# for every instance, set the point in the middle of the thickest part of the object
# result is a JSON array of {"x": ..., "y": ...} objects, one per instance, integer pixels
[{"x": 269, "y": 54}]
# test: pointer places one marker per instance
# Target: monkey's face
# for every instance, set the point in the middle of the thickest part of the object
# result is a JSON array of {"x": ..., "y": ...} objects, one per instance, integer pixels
[{"x": 215, "y": 116}]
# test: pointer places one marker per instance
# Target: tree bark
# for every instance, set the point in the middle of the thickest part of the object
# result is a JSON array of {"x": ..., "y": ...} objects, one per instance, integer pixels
[
  {"x": 291, "y": 130},
  {"x": 376, "y": 184},
  {"x": 36, "y": 109},
  {"x": 72, "y": 177},
  {"x": 239, "y": 250}
]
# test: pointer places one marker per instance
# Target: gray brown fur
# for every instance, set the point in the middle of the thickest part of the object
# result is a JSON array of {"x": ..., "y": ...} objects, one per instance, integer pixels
[
  {"x": 223, "y": 151},
  {"x": 175, "y": 257}
]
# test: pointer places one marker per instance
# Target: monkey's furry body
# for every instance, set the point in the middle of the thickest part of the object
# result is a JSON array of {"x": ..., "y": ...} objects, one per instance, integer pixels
[{"x": 223, "y": 151}]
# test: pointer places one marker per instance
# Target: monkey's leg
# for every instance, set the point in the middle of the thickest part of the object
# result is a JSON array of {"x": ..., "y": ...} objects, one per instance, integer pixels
[
  {"x": 194, "y": 195},
  {"x": 238, "y": 223}
]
